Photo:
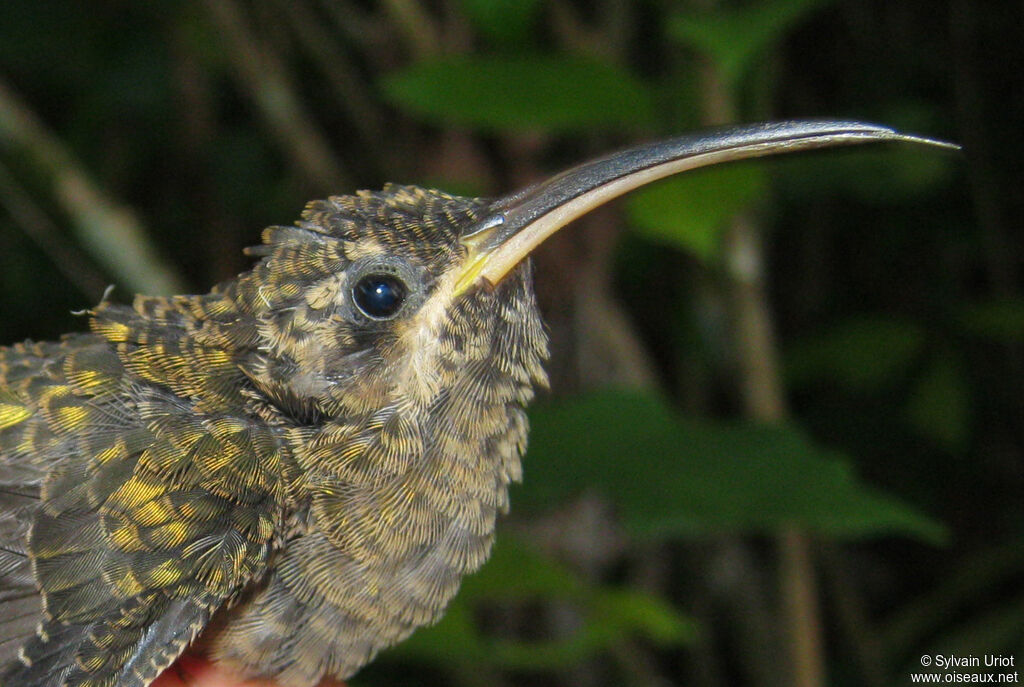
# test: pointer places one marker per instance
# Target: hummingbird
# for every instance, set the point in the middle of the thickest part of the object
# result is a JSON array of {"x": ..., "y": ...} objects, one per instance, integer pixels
[{"x": 296, "y": 469}]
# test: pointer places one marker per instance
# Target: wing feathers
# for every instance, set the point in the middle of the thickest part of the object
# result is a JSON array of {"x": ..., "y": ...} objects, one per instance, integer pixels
[{"x": 132, "y": 504}]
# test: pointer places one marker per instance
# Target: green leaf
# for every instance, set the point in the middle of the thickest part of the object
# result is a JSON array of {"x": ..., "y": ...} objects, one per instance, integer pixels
[
  {"x": 860, "y": 355},
  {"x": 521, "y": 94},
  {"x": 646, "y": 615},
  {"x": 689, "y": 212},
  {"x": 518, "y": 573},
  {"x": 997, "y": 320},
  {"x": 502, "y": 21},
  {"x": 939, "y": 405},
  {"x": 735, "y": 39},
  {"x": 671, "y": 476}
]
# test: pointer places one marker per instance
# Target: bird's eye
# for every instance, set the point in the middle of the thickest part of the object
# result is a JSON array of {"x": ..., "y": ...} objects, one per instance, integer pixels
[{"x": 379, "y": 296}]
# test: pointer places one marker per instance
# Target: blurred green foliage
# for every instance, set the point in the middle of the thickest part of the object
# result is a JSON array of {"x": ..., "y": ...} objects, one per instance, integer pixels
[
  {"x": 516, "y": 574},
  {"x": 689, "y": 212},
  {"x": 737, "y": 38},
  {"x": 671, "y": 477},
  {"x": 860, "y": 355},
  {"x": 487, "y": 94},
  {"x": 894, "y": 278}
]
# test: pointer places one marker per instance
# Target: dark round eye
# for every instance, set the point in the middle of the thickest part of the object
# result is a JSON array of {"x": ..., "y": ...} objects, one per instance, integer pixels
[{"x": 379, "y": 296}]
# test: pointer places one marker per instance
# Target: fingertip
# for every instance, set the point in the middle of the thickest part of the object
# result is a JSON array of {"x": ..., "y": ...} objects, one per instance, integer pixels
[{"x": 195, "y": 671}]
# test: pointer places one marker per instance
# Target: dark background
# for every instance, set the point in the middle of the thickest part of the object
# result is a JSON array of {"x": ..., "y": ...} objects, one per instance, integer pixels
[{"x": 810, "y": 478}]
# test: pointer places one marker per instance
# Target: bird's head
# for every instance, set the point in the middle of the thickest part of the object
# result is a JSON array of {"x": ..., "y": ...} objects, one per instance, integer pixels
[
  {"x": 362, "y": 305},
  {"x": 405, "y": 291}
]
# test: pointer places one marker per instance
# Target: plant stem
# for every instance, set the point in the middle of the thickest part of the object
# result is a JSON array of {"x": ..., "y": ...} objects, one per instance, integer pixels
[
  {"x": 265, "y": 77},
  {"x": 764, "y": 401},
  {"x": 112, "y": 233}
]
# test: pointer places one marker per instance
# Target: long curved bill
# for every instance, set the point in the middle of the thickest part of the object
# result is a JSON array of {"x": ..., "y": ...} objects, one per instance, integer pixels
[{"x": 520, "y": 222}]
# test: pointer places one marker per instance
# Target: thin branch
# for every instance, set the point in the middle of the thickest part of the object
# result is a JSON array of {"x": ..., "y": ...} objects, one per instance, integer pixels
[
  {"x": 610, "y": 350},
  {"x": 801, "y": 609},
  {"x": 862, "y": 636},
  {"x": 38, "y": 226},
  {"x": 111, "y": 232},
  {"x": 340, "y": 74},
  {"x": 415, "y": 24},
  {"x": 761, "y": 389},
  {"x": 265, "y": 78},
  {"x": 352, "y": 24}
]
